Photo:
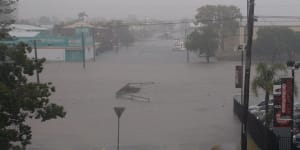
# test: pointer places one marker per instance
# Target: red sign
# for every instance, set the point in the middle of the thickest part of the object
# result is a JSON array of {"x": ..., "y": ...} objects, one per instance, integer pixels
[
  {"x": 238, "y": 76},
  {"x": 283, "y": 103},
  {"x": 286, "y": 94}
]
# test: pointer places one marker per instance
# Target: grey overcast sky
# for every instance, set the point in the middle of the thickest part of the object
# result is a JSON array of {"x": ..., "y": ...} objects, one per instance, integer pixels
[{"x": 163, "y": 9}]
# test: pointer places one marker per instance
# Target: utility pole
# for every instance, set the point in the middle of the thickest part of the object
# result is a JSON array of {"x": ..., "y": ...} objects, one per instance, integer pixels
[
  {"x": 186, "y": 38},
  {"x": 250, "y": 24},
  {"x": 292, "y": 107},
  {"x": 83, "y": 48},
  {"x": 36, "y": 60},
  {"x": 94, "y": 46}
]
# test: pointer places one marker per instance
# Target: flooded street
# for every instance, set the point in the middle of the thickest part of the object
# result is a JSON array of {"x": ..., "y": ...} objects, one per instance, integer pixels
[{"x": 190, "y": 107}]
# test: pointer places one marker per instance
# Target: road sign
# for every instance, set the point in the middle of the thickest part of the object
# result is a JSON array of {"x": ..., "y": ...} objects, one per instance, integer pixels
[{"x": 119, "y": 111}]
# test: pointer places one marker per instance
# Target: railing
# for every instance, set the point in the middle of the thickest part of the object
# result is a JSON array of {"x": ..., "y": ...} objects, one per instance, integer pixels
[
  {"x": 285, "y": 143},
  {"x": 264, "y": 138}
]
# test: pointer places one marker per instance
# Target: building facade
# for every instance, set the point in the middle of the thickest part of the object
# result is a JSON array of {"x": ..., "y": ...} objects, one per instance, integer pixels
[{"x": 73, "y": 48}]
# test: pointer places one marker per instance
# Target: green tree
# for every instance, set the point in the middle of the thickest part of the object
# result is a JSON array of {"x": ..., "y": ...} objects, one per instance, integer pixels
[
  {"x": 81, "y": 16},
  {"x": 45, "y": 20},
  {"x": 276, "y": 43},
  {"x": 266, "y": 76},
  {"x": 224, "y": 20},
  {"x": 21, "y": 99},
  {"x": 116, "y": 33},
  {"x": 7, "y": 7},
  {"x": 203, "y": 41}
]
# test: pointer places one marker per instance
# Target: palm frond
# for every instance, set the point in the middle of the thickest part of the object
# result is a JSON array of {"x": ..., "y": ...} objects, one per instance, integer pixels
[
  {"x": 261, "y": 68},
  {"x": 278, "y": 67},
  {"x": 266, "y": 76},
  {"x": 255, "y": 86}
]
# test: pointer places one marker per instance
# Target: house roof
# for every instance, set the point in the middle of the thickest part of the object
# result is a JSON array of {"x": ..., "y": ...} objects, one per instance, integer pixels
[
  {"x": 27, "y": 27},
  {"x": 287, "y": 22},
  {"x": 15, "y": 33}
]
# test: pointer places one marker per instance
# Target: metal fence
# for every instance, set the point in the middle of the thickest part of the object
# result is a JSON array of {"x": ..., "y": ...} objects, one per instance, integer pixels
[{"x": 264, "y": 138}]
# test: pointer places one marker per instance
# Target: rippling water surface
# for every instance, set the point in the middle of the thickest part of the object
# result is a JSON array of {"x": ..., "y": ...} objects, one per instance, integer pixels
[{"x": 190, "y": 107}]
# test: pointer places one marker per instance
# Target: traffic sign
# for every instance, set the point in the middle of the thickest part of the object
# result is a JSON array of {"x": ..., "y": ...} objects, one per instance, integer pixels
[{"x": 119, "y": 111}]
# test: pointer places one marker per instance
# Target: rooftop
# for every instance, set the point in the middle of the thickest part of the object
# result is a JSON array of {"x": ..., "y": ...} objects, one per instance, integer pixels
[
  {"x": 27, "y": 27},
  {"x": 16, "y": 33}
]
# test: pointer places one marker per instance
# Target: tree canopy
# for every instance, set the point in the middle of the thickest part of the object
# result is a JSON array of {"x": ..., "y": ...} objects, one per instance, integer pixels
[
  {"x": 20, "y": 98},
  {"x": 203, "y": 41},
  {"x": 116, "y": 32},
  {"x": 266, "y": 76},
  {"x": 276, "y": 44},
  {"x": 223, "y": 19}
]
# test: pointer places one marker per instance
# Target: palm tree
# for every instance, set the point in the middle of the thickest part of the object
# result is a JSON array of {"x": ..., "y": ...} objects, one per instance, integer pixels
[{"x": 265, "y": 78}]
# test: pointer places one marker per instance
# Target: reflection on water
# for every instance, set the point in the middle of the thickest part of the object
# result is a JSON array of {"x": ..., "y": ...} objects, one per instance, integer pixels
[{"x": 190, "y": 107}]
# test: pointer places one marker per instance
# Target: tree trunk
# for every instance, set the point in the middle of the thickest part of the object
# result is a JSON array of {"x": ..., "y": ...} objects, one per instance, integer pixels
[
  {"x": 207, "y": 56},
  {"x": 222, "y": 43},
  {"x": 207, "y": 59},
  {"x": 267, "y": 118},
  {"x": 267, "y": 122}
]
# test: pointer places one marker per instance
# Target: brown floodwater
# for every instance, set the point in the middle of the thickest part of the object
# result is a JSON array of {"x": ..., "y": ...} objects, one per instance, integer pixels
[{"x": 191, "y": 105}]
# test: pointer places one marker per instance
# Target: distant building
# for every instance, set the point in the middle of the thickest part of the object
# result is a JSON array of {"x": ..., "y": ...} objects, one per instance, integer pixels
[{"x": 56, "y": 48}]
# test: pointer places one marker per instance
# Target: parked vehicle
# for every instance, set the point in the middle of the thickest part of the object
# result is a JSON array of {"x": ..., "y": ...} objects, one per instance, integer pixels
[
  {"x": 179, "y": 46},
  {"x": 296, "y": 106},
  {"x": 296, "y": 140},
  {"x": 260, "y": 106}
]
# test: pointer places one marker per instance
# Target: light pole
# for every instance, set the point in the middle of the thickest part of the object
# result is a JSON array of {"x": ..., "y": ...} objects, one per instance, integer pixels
[
  {"x": 83, "y": 47},
  {"x": 119, "y": 111},
  {"x": 185, "y": 39},
  {"x": 241, "y": 49},
  {"x": 293, "y": 66}
]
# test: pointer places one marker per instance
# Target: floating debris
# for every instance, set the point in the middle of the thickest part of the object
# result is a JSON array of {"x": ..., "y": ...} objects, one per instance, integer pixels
[{"x": 128, "y": 91}]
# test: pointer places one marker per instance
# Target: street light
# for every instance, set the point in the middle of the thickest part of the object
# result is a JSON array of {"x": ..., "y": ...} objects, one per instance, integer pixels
[
  {"x": 292, "y": 66},
  {"x": 119, "y": 111},
  {"x": 83, "y": 47},
  {"x": 241, "y": 49}
]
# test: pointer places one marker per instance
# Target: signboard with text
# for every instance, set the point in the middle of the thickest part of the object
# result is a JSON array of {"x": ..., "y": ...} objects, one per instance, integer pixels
[{"x": 283, "y": 103}]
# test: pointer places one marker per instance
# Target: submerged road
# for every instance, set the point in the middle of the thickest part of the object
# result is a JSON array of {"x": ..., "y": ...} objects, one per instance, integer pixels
[{"x": 190, "y": 107}]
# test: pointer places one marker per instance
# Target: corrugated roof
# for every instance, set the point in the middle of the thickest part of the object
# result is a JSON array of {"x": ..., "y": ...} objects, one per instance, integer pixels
[{"x": 27, "y": 27}]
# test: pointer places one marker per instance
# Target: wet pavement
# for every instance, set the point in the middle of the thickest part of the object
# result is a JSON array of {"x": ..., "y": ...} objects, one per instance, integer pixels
[{"x": 190, "y": 107}]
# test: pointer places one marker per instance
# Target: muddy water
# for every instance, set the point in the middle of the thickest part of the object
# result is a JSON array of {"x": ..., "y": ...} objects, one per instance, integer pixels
[{"x": 190, "y": 108}]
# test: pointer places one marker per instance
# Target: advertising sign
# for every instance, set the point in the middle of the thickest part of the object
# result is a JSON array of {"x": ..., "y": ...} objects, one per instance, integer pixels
[
  {"x": 238, "y": 76},
  {"x": 283, "y": 103}
]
